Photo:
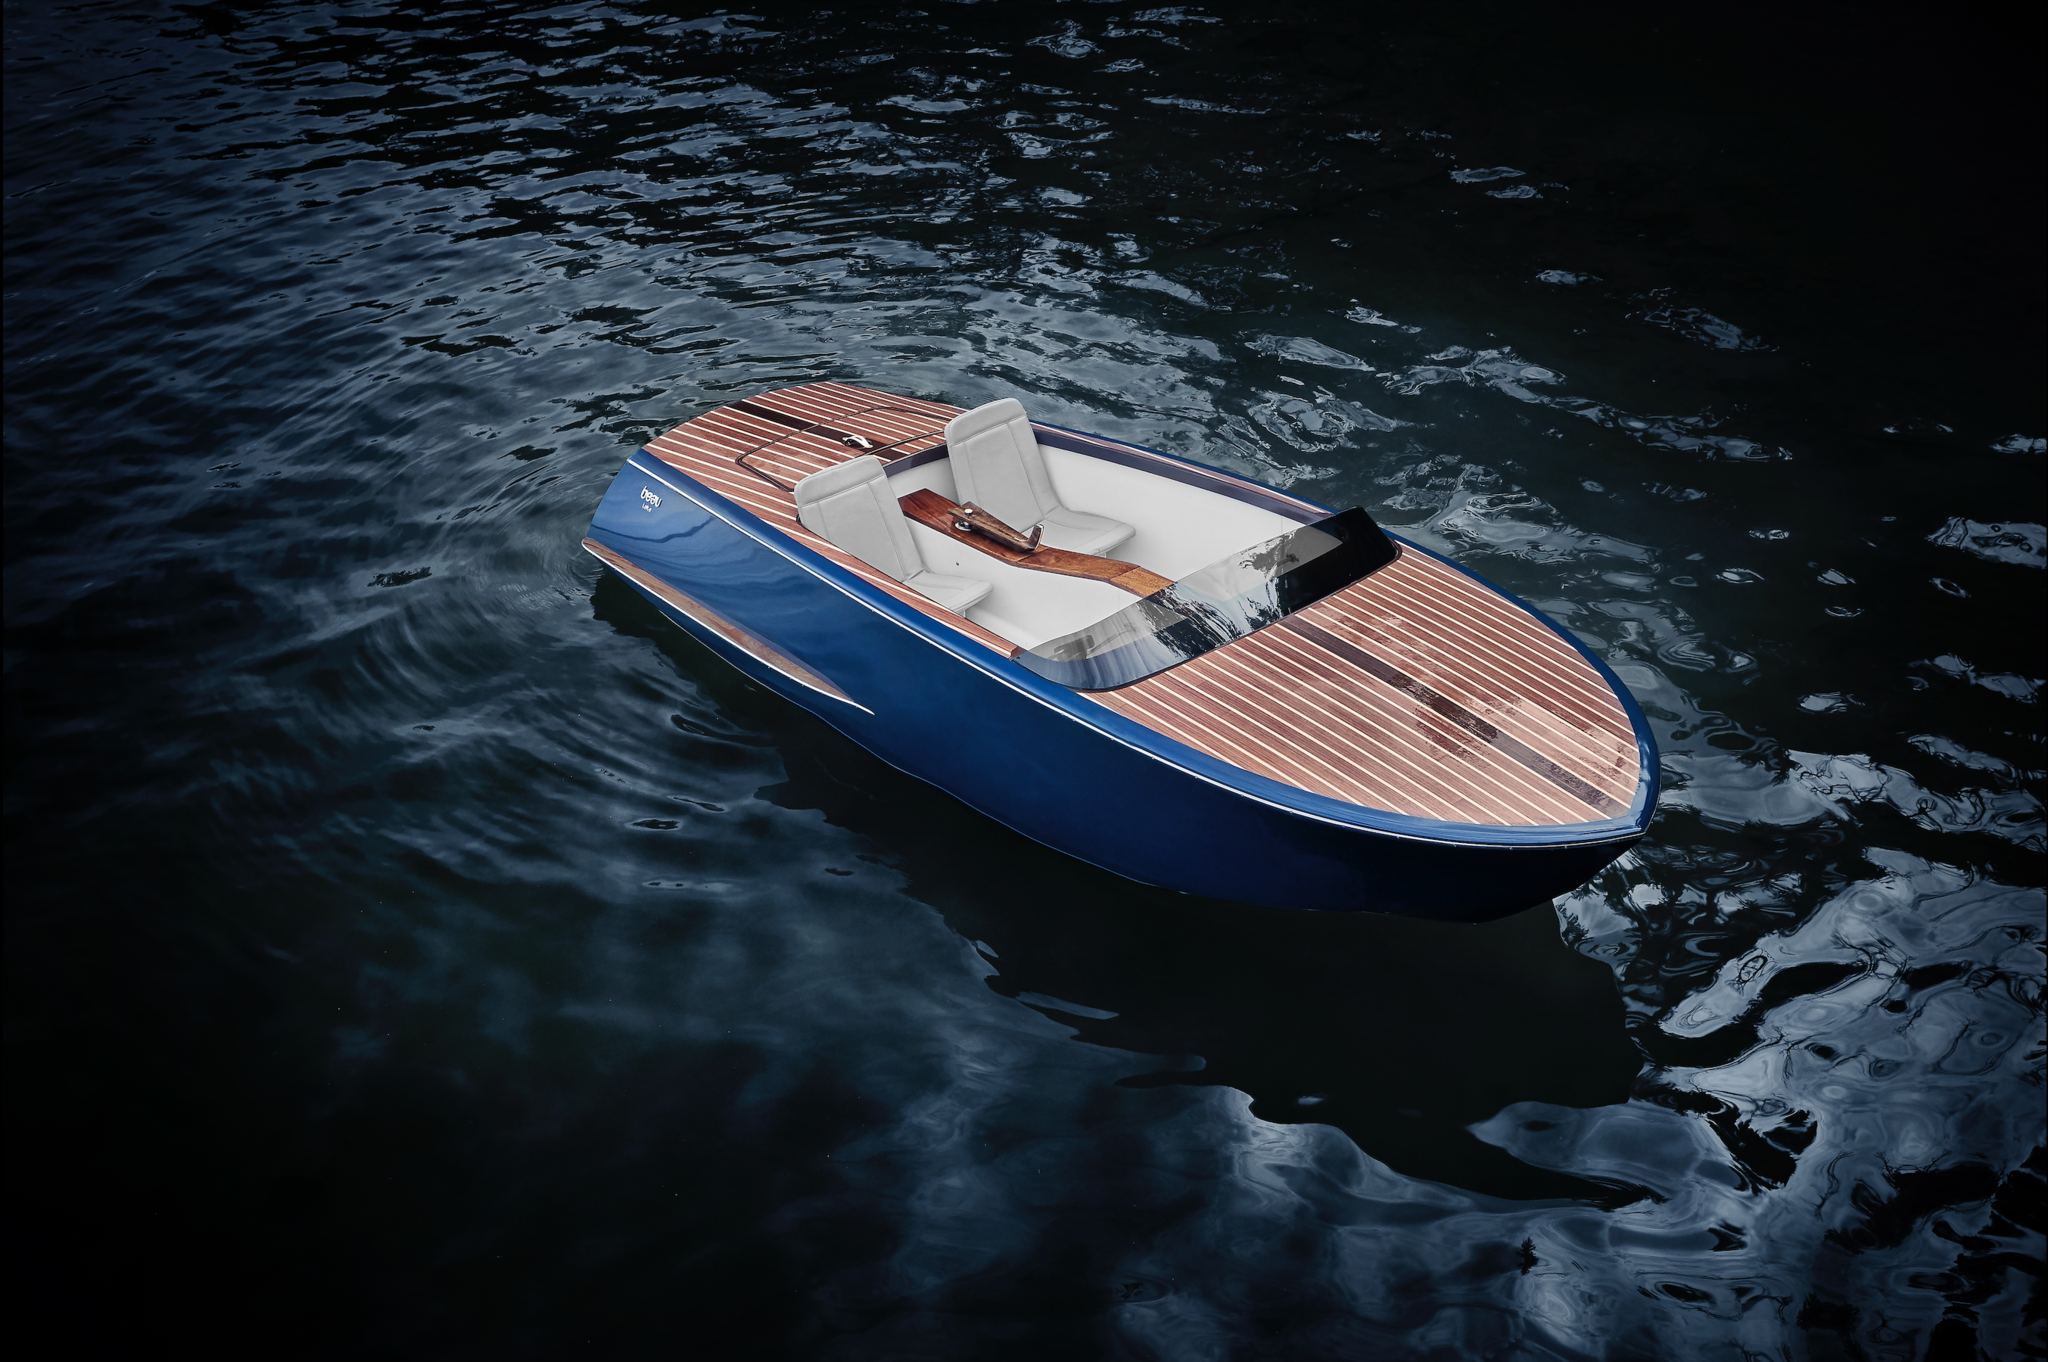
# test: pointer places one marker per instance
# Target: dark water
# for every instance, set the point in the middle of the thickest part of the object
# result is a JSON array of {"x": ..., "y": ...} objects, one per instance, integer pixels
[{"x": 414, "y": 946}]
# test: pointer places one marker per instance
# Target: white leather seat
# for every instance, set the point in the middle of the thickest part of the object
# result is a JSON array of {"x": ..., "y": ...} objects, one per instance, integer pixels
[
  {"x": 851, "y": 505},
  {"x": 998, "y": 466}
]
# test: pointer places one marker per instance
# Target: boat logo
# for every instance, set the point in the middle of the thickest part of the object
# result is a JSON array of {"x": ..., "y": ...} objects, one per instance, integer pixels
[{"x": 650, "y": 501}]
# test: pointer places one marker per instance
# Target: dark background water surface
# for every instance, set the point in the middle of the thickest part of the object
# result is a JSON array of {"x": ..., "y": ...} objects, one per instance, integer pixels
[{"x": 415, "y": 946}]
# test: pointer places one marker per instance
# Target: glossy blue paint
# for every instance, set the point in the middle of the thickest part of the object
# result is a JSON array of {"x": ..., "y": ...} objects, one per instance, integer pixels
[{"x": 1061, "y": 769}]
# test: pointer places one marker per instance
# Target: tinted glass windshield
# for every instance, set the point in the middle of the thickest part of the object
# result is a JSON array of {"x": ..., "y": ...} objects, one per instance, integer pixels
[{"x": 1224, "y": 601}]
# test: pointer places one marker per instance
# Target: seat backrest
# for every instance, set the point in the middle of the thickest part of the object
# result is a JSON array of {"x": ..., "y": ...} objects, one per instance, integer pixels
[
  {"x": 851, "y": 505},
  {"x": 997, "y": 464}
]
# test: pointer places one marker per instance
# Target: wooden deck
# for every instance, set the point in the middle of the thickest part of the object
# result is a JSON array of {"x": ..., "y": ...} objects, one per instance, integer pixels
[{"x": 1415, "y": 690}]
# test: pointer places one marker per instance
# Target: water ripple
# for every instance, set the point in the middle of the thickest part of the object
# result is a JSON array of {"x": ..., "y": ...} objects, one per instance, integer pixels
[{"x": 527, "y": 975}]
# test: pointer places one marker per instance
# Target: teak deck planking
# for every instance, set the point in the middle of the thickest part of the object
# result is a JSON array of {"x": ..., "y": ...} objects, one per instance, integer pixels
[{"x": 1414, "y": 690}]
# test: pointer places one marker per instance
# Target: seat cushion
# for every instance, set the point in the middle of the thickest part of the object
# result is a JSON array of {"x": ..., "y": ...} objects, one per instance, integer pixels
[
  {"x": 957, "y": 594},
  {"x": 1079, "y": 532},
  {"x": 997, "y": 464},
  {"x": 853, "y": 506}
]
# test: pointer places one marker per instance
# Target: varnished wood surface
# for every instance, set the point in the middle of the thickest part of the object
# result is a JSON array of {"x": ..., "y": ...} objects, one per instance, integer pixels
[
  {"x": 930, "y": 509},
  {"x": 1415, "y": 690}
]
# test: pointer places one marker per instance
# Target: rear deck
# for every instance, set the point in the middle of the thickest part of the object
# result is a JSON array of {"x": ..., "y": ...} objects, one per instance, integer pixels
[{"x": 1415, "y": 690}]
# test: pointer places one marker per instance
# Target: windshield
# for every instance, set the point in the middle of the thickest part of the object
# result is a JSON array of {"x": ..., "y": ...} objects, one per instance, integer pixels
[{"x": 1224, "y": 601}]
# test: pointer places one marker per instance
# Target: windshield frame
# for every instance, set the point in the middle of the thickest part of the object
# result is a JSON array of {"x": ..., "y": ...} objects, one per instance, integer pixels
[{"x": 1230, "y": 599}]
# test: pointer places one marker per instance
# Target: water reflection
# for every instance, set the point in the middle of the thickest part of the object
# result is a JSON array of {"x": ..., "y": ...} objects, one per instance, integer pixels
[{"x": 1367, "y": 1024}]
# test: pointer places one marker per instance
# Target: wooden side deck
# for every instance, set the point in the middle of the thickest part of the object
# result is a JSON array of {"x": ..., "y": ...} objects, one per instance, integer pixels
[{"x": 1415, "y": 690}]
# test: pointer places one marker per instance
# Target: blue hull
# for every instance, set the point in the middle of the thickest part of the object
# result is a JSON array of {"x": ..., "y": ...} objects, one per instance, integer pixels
[{"x": 1043, "y": 760}]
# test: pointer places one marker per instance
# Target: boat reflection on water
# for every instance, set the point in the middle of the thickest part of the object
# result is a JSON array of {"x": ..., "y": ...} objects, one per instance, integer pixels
[
  {"x": 1401, "y": 1032},
  {"x": 1398, "y": 1031}
]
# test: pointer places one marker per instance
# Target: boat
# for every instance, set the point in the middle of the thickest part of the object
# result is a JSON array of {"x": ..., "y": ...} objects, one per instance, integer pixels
[{"x": 1170, "y": 671}]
